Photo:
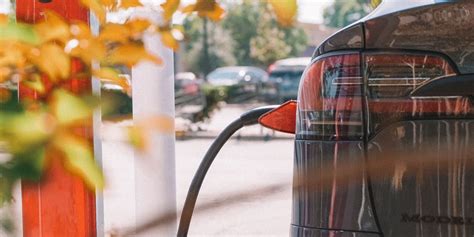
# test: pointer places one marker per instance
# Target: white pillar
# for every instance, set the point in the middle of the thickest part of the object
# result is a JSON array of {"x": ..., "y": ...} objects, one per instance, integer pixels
[{"x": 153, "y": 96}]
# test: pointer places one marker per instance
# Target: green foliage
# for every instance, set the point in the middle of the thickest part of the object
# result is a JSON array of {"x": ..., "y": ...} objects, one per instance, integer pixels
[
  {"x": 259, "y": 39},
  {"x": 343, "y": 12},
  {"x": 219, "y": 46},
  {"x": 248, "y": 35}
]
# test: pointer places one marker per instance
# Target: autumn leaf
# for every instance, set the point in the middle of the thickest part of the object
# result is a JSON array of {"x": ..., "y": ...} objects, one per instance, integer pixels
[
  {"x": 5, "y": 94},
  {"x": 130, "y": 3},
  {"x": 29, "y": 128},
  {"x": 109, "y": 4},
  {"x": 169, "y": 8},
  {"x": 52, "y": 60},
  {"x": 115, "y": 33},
  {"x": 131, "y": 54},
  {"x": 206, "y": 8},
  {"x": 170, "y": 37},
  {"x": 19, "y": 32},
  {"x": 68, "y": 108},
  {"x": 89, "y": 50},
  {"x": 285, "y": 11},
  {"x": 79, "y": 159},
  {"x": 111, "y": 75},
  {"x": 138, "y": 137},
  {"x": 53, "y": 27},
  {"x": 96, "y": 7},
  {"x": 35, "y": 83}
]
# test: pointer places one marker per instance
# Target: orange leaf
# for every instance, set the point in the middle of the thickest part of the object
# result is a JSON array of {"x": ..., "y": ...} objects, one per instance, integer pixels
[
  {"x": 108, "y": 3},
  {"x": 285, "y": 11},
  {"x": 111, "y": 75},
  {"x": 206, "y": 8},
  {"x": 168, "y": 38},
  {"x": 52, "y": 60},
  {"x": 53, "y": 28},
  {"x": 115, "y": 33},
  {"x": 130, "y": 3},
  {"x": 131, "y": 54},
  {"x": 96, "y": 7},
  {"x": 169, "y": 8}
]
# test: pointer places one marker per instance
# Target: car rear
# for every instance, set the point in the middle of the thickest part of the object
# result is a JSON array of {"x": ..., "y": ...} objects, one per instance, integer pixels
[{"x": 355, "y": 104}]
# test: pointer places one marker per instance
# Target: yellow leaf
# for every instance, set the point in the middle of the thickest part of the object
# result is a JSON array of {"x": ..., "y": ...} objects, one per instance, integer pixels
[
  {"x": 115, "y": 33},
  {"x": 206, "y": 8},
  {"x": 96, "y": 7},
  {"x": 52, "y": 60},
  {"x": 131, "y": 54},
  {"x": 3, "y": 19},
  {"x": 79, "y": 159},
  {"x": 169, "y": 8},
  {"x": 35, "y": 83},
  {"x": 168, "y": 39},
  {"x": 111, "y": 75},
  {"x": 29, "y": 129},
  {"x": 130, "y": 3},
  {"x": 68, "y": 108},
  {"x": 108, "y": 3},
  {"x": 53, "y": 28},
  {"x": 89, "y": 50},
  {"x": 138, "y": 25},
  {"x": 81, "y": 30},
  {"x": 138, "y": 137},
  {"x": 5, "y": 95},
  {"x": 285, "y": 11},
  {"x": 5, "y": 73}
]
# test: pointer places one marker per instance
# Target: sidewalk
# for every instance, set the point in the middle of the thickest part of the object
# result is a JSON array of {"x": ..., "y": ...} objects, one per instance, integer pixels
[{"x": 219, "y": 121}]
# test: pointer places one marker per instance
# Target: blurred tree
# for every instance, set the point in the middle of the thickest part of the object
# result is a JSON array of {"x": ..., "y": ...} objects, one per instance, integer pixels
[
  {"x": 344, "y": 12},
  {"x": 208, "y": 46},
  {"x": 248, "y": 35},
  {"x": 259, "y": 39}
]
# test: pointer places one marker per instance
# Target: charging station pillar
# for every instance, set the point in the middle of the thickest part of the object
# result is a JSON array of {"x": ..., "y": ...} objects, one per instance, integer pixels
[
  {"x": 153, "y": 97},
  {"x": 61, "y": 204}
]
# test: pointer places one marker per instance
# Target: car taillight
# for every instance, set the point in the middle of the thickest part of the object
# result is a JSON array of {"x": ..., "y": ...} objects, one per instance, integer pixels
[
  {"x": 397, "y": 75},
  {"x": 335, "y": 90},
  {"x": 330, "y": 99}
]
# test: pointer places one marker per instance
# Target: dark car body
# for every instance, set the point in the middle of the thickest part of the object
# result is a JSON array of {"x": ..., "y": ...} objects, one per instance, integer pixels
[{"x": 356, "y": 104}]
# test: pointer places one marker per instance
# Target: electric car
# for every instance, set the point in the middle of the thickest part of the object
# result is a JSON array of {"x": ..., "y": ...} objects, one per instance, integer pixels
[
  {"x": 392, "y": 93},
  {"x": 398, "y": 82}
]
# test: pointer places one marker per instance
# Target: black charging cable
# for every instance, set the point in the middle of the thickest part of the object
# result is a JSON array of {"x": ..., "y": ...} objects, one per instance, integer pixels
[{"x": 249, "y": 118}]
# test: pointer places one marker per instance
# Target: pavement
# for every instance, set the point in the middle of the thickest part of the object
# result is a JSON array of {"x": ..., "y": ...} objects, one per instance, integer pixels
[
  {"x": 220, "y": 119},
  {"x": 253, "y": 159}
]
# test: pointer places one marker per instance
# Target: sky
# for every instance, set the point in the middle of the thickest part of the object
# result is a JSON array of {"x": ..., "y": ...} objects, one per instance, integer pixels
[{"x": 311, "y": 11}]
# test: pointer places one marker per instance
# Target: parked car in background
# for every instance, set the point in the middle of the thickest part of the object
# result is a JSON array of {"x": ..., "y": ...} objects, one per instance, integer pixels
[
  {"x": 242, "y": 83},
  {"x": 284, "y": 78},
  {"x": 189, "y": 97}
]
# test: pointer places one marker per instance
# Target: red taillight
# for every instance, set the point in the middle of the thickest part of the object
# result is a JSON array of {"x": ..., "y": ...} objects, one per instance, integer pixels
[
  {"x": 335, "y": 90},
  {"x": 329, "y": 105},
  {"x": 281, "y": 119}
]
